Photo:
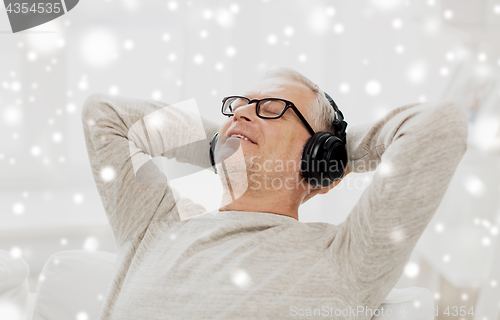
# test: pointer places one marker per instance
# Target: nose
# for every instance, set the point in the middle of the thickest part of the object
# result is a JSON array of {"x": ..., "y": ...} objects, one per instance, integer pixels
[{"x": 247, "y": 112}]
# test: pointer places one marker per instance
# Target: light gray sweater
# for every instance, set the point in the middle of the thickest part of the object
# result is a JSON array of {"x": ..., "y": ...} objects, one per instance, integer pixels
[{"x": 253, "y": 265}]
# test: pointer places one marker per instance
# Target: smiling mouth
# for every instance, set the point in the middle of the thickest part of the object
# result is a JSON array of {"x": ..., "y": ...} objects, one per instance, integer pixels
[{"x": 241, "y": 137}]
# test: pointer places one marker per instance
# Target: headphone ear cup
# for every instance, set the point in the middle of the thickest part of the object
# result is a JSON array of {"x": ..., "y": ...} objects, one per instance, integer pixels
[
  {"x": 213, "y": 143},
  {"x": 309, "y": 164},
  {"x": 337, "y": 156},
  {"x": 323, "y": 160}
]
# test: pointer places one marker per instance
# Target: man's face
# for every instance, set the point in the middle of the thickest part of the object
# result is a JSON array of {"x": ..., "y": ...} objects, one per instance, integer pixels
[{"x": 275, "y": 140}]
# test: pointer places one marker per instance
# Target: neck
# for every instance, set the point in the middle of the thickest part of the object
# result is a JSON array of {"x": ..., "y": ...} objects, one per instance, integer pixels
[
  {"x": 282, "y": 202},
  {"x": 254, "y": 191}
]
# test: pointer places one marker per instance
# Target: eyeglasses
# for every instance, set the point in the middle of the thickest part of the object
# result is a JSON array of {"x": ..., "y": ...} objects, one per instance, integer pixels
[{"x": 267, "y": 108}]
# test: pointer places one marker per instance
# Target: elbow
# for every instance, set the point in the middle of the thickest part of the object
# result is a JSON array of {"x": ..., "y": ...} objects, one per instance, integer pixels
[
  {"x": 454, "y": 123},
  {"x": 91, "y": 105}
]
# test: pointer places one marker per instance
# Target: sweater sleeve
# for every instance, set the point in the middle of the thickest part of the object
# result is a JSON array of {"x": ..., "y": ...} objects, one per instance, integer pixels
[
  {"x": 122, "y": 136},
  {"x": 416, "y": 150}
]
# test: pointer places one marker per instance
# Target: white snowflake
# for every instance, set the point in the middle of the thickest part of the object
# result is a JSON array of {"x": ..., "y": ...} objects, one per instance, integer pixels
[
  {"x": 78, "y": 198},
  {"x": 128, "y": 44},
  {"x": 208, "y": 14},
  {"x": 32, "y": 56},
  {"x": 289, "y": 31},
  {"x": 412, "y": 270},
  {"x": 338, "y": 28},
  {"x": 474, "y": 185},
  {"x": 439, "y": 227},
  {"x": 16, "y": 252},
  {"x": 15, "y": 86},
  {"x": 60, "y": 43},
  {"x": 82, "y": 316},
  {"x": 12, "y": 115},
  {"x": 230, "y": 51},
  {"x": 57, "y": 137},
  {"x": 397, "y": 235},
  {"x": 198, "y": 58},
  {"x": 373, "y": 87},
  {"x": 35, "y": 151},
  {"x": 172, "y": 57},
  {"x": 318, "y": 21},
  {"x": 166, "y": 37},
  {"x": 18, "y": 208},
  {"x": 108, "y": 174},
  {"x": 224, "y": 18},
  {"x": 99, "y": 47},
  {"x": 172, "y": 5},
  {"x": 114, "y": 90},
  {"x": 444, "y": 71},
  {"x": 83, "y": 85},
  {"x": 156, "y": 95},
  {"x": 91, "y": 244},
  {"x": 448, "y": 14},
  {"x": 234, "y": 8},
  {"x": 450, "y": 56},
  {"x": 241, "y": 278},
  {"x": 417, "y": 72},
  {"x": 272, "y": 39},
  {"x": 219, "y": 66},
  {"x": 486, "y": 241},
  {"x": 344, "y": 87}
]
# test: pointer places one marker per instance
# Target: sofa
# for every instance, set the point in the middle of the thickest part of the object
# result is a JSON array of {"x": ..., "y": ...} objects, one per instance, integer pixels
[{"x": 73, "y": 285}]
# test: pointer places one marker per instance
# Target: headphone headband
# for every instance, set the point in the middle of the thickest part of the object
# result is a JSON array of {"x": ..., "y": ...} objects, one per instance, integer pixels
[
  {"x": 334, "y": 106},
  {"x": 339, "y": 124}
]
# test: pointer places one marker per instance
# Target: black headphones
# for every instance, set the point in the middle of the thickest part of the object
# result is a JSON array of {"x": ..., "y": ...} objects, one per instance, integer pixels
[{"x": 324, "y": 158}]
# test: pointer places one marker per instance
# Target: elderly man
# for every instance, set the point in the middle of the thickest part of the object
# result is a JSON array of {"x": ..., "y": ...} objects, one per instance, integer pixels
[{"x": 252, "y": 258}]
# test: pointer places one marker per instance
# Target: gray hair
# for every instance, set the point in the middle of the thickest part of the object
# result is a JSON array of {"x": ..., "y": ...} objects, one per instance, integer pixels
[{"x": 321, "y": 112}]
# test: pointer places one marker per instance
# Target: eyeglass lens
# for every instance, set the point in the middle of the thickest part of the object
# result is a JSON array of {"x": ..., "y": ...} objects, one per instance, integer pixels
[{"x": 267, "y": 108}]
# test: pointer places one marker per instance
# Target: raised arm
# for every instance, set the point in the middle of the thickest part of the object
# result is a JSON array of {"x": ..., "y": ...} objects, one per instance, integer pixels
[
  {"x": 416, "y": 149},
  {"x": 122, "y": 136}
]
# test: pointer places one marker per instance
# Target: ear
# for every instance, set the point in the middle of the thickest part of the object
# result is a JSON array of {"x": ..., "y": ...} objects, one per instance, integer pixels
[{"x": 324, "y": 190}]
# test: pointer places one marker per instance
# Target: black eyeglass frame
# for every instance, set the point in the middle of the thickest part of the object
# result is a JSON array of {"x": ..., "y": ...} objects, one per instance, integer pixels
[{"x": 288, "y": 105}]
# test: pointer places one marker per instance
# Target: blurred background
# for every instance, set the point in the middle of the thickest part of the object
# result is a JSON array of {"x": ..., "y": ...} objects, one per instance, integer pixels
[{"x": 371, "y": 56}]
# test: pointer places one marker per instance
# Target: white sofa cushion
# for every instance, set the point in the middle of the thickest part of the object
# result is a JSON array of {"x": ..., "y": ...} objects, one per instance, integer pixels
[
  {"x": 73, "y": 285},
  {"x": 408, "y": 304},
  {"x": 14, "y": 287}
]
